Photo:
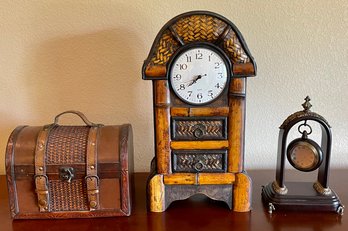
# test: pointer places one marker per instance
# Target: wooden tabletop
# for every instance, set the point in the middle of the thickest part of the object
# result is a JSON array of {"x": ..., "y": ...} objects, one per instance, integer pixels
[{"x": 196, "y": 213}]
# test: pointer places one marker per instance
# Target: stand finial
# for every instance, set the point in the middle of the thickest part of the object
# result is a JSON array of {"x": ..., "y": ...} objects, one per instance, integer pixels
[{"x": 307, "y": 105}]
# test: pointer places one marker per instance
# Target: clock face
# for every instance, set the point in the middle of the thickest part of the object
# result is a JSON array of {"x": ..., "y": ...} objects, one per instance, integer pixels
[
  {"x": 198, "y": 75},
  {"x": 304, "y": 156}
]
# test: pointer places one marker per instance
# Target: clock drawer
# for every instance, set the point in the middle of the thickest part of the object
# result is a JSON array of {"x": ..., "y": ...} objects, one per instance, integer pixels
[
  {"x": 199, "y": 128},
  {"x": 199, "y": 161}
]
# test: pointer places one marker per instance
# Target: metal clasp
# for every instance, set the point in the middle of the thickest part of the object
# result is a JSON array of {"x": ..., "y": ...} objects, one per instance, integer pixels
[
  {"x": 66, "y": 173},
  {"x": 39, "y": 191},
  {"x": 41, "y": 184},
  {"x": 90, "y": 177}
]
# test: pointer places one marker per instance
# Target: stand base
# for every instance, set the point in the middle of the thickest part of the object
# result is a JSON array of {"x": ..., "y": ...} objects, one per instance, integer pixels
[{"x": 301, "y": 196}]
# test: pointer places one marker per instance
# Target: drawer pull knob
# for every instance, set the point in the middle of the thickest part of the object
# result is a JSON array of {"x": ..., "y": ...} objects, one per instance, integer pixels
[
  {"x": 198, "y": 130},
  {"x": 199, "y": 166}
]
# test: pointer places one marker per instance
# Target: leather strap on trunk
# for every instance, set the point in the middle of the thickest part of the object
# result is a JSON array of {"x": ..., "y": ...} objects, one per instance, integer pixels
[
  {"x": 92, "y": 179},
  {"x": 41, "y": 180}
]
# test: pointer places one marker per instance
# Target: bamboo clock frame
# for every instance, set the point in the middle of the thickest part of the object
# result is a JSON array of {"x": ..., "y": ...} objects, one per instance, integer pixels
[{"x": 164, "y": 186}]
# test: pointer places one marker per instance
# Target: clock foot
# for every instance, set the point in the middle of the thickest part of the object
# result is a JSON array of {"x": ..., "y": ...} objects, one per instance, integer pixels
[
  {"x": 242, "y": 193},
  {"x": 156, "y": 193},
  {"x": 270, "y": 208},
  {"x": 340, "y": 210}
]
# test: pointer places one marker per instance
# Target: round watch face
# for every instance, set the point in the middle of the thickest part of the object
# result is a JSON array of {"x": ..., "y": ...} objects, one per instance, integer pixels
[
  {"x": 198, "y": 75},
  {"x": 304, "y": 155}
]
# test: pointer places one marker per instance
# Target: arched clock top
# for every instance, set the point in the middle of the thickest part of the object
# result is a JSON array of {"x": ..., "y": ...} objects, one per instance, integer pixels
[
  {"x": 196, "y": 27},
  {"x": 305, "y": 114}
]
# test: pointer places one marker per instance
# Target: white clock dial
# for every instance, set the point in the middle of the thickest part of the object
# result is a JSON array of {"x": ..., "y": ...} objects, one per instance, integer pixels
[{"x": 198, "y": 75}]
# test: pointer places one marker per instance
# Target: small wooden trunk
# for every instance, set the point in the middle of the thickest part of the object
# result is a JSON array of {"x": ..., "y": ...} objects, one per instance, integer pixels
[{"x": 56, "y": 171}]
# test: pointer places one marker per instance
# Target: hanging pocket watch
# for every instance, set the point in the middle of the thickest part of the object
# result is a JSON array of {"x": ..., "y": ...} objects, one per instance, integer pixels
[{"x": 303, "y": 153}]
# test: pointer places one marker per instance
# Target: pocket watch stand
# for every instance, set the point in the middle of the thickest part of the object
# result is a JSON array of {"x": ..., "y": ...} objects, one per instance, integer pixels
[
  {"x": 198, "y": 64},
  {"x": 305, "y": 155}
]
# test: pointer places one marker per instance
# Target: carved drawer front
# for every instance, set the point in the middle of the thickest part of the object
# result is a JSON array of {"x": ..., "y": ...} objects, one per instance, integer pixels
[
  {"x": 199, "y": 161},
  {"x": 199, "y": 128}
]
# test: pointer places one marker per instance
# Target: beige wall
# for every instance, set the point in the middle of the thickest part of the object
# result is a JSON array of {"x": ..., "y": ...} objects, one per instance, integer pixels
[{"x": 87, "y": 55}]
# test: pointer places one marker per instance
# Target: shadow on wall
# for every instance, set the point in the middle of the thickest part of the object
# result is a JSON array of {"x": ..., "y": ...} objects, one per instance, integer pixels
[
  {"x": 93, "y": 73},
  {"x": 98, "y": 74}
]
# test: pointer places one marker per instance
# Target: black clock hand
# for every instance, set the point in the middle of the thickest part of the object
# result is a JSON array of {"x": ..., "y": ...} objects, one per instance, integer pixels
[{"x": 195, "y": 80}]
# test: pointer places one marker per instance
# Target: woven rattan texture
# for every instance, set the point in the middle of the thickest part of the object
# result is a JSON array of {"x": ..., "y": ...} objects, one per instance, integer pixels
[
  {"x": 234, "y": 49},
  {"x": 186, "y": 162},
  {"x": 166, "y": 46},
  {"x": 198, "y": 28},
  {"x": 202, "y": 28},
  {"x": 65, "y": 196},
  {"x": 67, "y": 145},
  {"x": 212, "y": 129}
]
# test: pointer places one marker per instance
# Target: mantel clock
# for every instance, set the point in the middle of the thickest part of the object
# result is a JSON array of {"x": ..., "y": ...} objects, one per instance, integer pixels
[
  {"x": 198, "y": 64},
  {"x": 305, "y": 155}
]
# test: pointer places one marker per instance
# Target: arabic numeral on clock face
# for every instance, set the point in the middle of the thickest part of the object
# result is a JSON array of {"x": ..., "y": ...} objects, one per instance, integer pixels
[
  {"x": 188, "y": 59},
  {"x": 181, "y": 87},
  {"x": 199, "y": 96},
  {"x": 189, "y": 93},
  {"x": 199, "y": 55},
  {"x": 211, "y": 94},
  {"x": 218, "y": 86},
  {"x": 183, "y": 66},
  {"x": 177, "y": 77},
  {"x": 217, "y": 65}
]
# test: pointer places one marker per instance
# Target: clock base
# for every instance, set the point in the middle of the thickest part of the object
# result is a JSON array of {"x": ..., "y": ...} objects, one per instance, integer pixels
[
  {"x": 300, "y": 196},
  {"x": 236, "y": 194},
  {"x": 173, "y": 193}
]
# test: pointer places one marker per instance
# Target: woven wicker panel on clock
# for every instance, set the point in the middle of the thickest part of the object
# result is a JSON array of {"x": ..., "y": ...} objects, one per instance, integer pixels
[
  {"x": 198, "y": 28},
  {"x": 213, "y": 128},
  {"x": 203, "y": 28},
  {"x": 199, "y": 160}
]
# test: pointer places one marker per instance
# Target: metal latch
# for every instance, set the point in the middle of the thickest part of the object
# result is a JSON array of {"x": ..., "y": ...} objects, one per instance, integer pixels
[{"x": 66, "y": 173}]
